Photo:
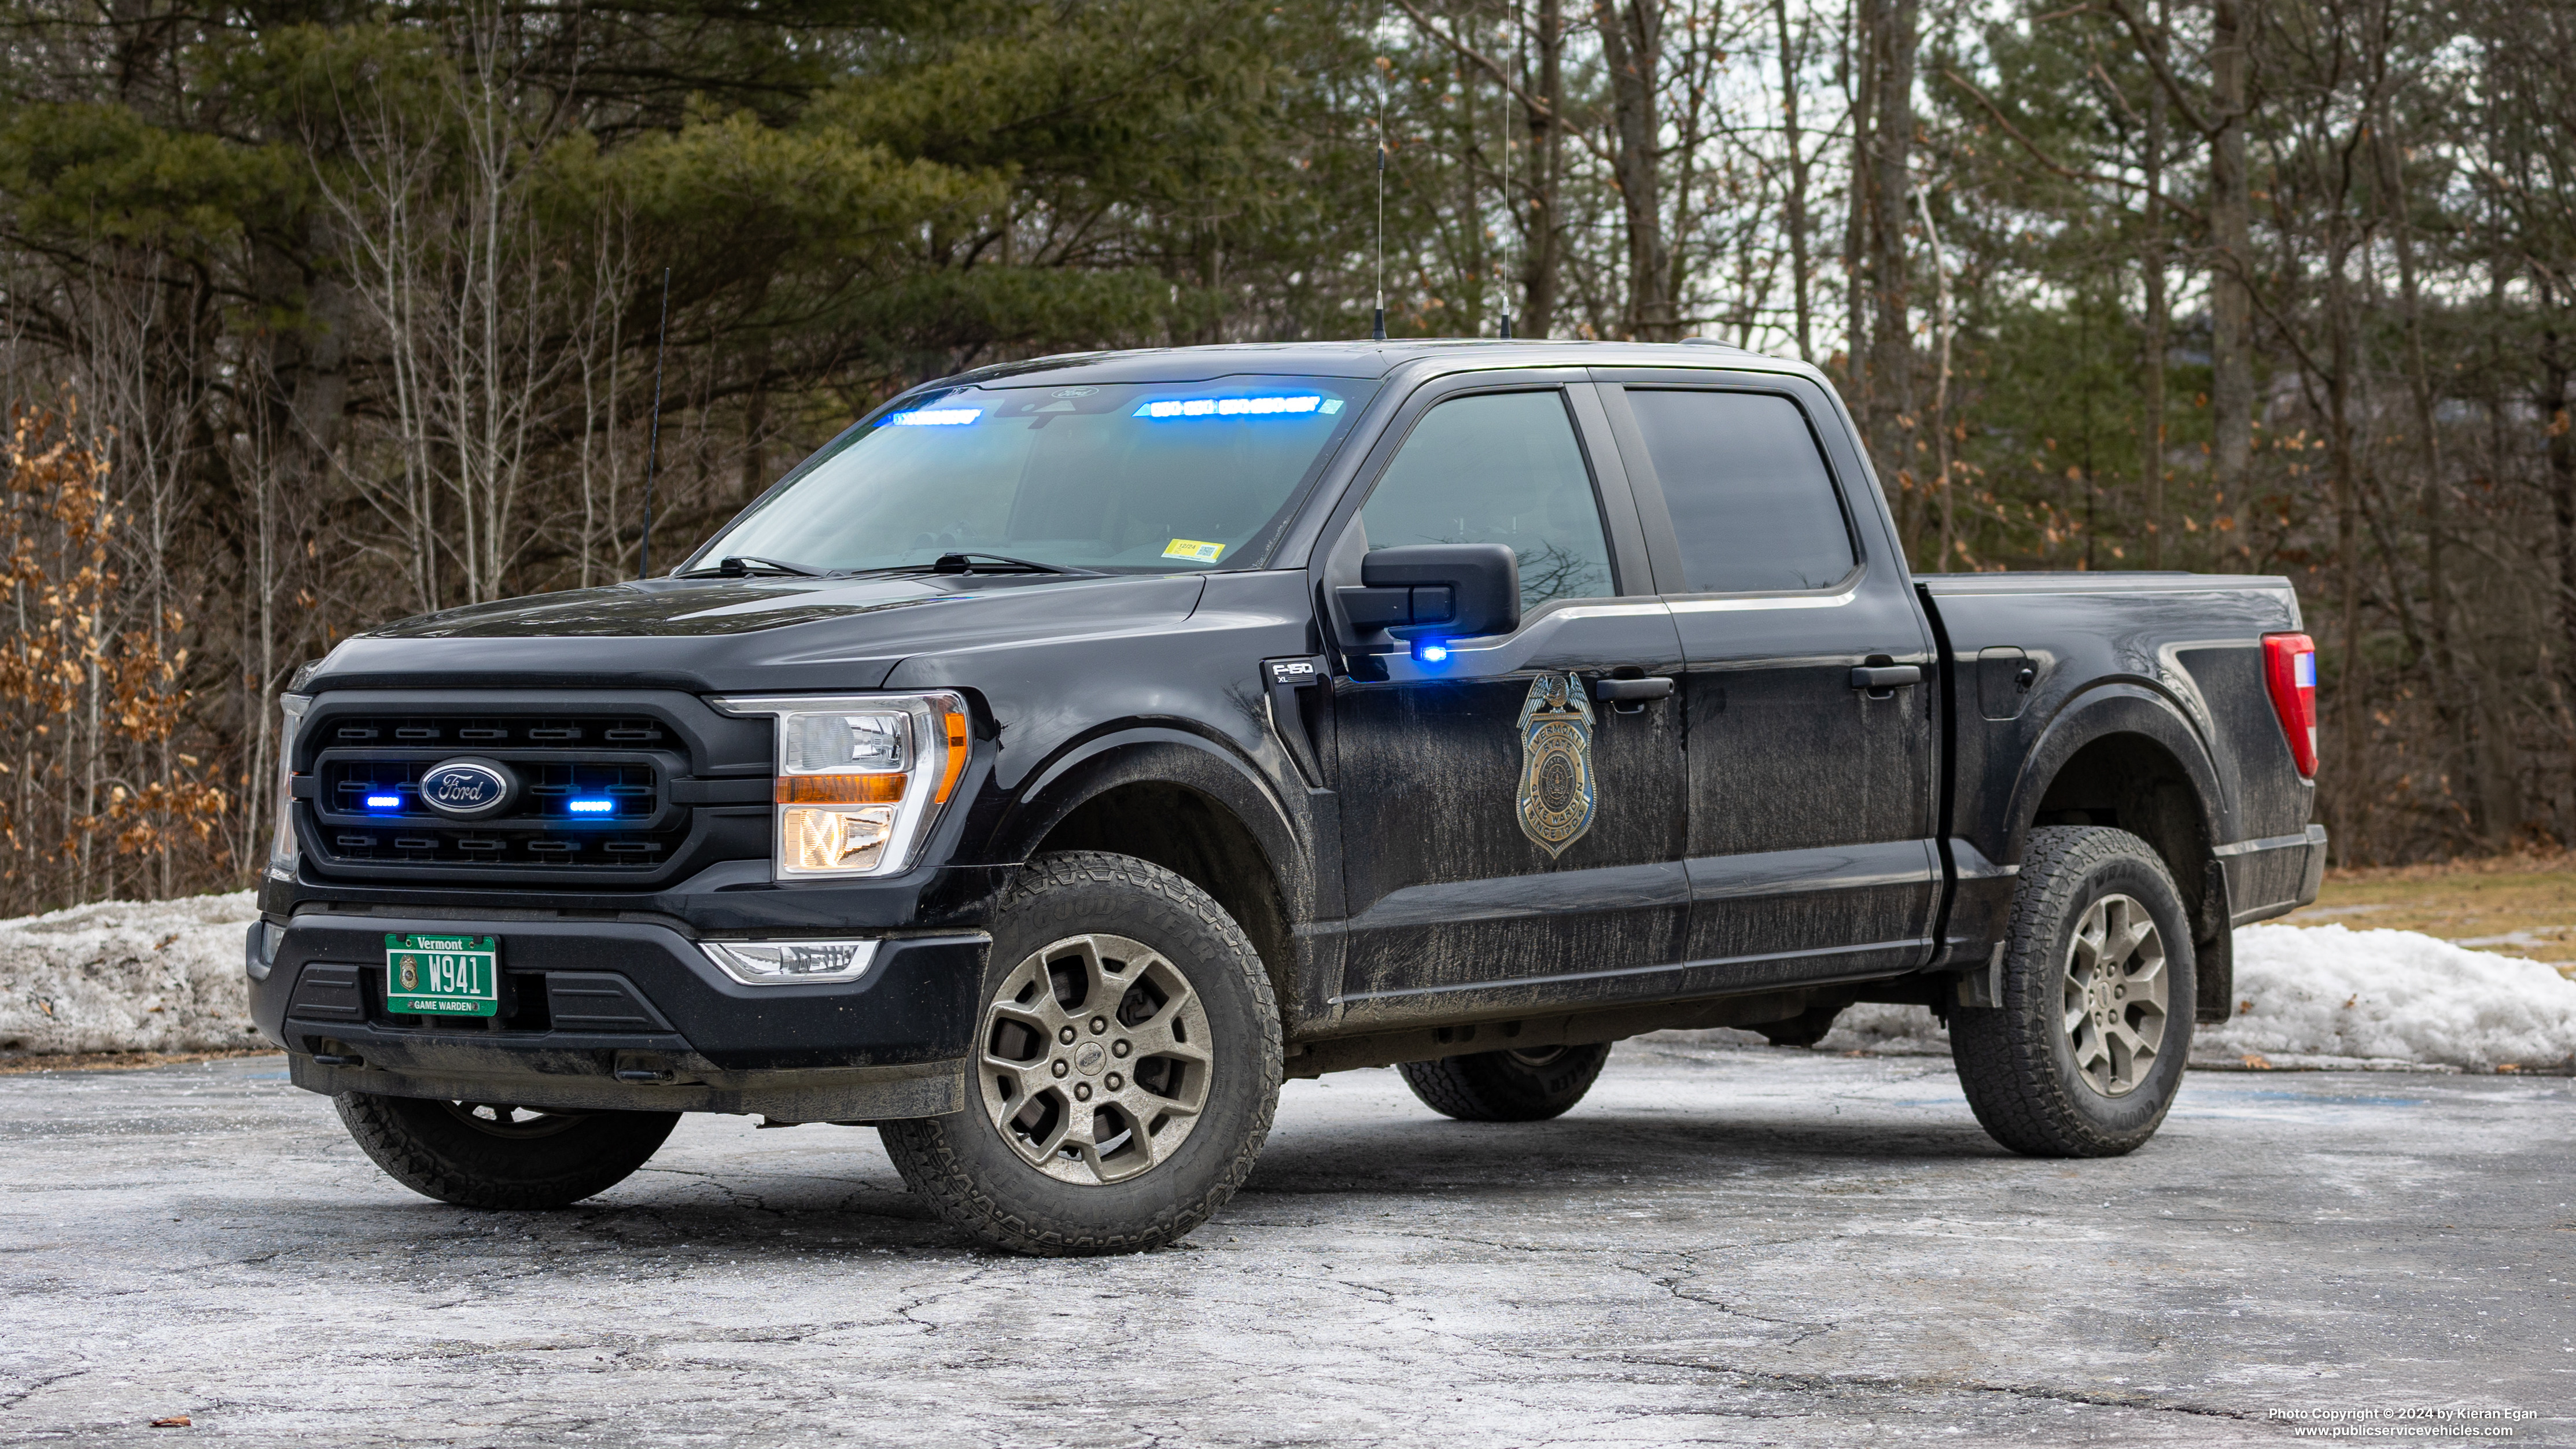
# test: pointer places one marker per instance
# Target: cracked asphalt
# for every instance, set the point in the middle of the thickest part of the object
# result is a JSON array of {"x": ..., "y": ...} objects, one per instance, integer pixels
[{"x": 1719, "y": 1246}]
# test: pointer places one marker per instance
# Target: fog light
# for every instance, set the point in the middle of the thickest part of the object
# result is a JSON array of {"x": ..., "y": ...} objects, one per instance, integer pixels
[
  {"x": 791, "y": 963},
  {"x": 835, "y": 839}
]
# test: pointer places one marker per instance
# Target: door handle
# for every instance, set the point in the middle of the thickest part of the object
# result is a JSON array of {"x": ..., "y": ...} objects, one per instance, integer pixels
[
  {"x": 1629, "y": 691},
  {"x": 1875, "y": 678}
]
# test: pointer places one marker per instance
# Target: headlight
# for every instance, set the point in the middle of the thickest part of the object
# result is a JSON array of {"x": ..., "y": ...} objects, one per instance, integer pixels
[
  {"x": 860, "y": 779},
  {"x": 282, "y": 851}
]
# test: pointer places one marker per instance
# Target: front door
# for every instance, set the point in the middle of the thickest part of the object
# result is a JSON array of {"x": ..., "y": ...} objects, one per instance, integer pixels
[
  {"x": 1814, "y": 774},
  {"x": 1509, "y": 837}
]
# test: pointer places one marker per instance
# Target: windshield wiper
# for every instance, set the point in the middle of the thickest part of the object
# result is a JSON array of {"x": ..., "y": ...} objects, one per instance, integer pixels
[
  {"x": 963, "y": 563},
  {"x": 741, "y": 565}
]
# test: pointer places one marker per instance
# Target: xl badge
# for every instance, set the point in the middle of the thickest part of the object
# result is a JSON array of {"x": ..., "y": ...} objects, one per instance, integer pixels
[
  {"x": 1558, "y": 792},
  {"x": 468, "y": 789}
]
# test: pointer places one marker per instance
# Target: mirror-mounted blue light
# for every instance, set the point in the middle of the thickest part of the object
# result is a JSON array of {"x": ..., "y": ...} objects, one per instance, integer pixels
[
  {"x": 384, "y": 802},
  {"x": 592, "y": 807},
  {"x": 1430, "y": 651},
  {"x": 933, "y": 417},
  {"x": 1238, "y": 407}
]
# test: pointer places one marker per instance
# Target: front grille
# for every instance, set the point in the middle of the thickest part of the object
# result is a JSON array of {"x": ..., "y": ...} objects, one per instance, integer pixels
[
  {"x": 352, "y": 785},
  {"x": 470, "y": 732},
  {"x": 620, "y": 769}
]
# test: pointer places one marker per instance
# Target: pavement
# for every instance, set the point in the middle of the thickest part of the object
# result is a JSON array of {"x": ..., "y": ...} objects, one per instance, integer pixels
[{"x": 1719, "y": 1246}]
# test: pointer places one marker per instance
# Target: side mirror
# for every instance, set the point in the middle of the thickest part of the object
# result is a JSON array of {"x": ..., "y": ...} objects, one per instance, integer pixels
[{"x": 1448, "y": 590}]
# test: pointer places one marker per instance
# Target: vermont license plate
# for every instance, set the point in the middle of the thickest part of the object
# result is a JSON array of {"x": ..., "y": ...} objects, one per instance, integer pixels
[{"x": 443, "y": 975}]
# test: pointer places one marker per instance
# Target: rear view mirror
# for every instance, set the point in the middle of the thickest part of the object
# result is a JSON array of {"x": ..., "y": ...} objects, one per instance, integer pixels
[{"x": 1447, "y": 590}]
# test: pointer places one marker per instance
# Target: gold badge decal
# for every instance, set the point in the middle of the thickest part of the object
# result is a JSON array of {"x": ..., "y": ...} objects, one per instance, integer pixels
[{"x": 1558, "y": 792}]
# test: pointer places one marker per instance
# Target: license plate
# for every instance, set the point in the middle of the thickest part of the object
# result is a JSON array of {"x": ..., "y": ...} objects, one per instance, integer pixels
[{"x": 443, "y": 975}]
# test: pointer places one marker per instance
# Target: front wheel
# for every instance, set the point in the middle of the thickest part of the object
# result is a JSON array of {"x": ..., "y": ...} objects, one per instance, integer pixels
[
  {"x": 1125, "y": 1071},
  {"x": 2085, "y": 1052},
  {"x": 486, "y": 1155}
]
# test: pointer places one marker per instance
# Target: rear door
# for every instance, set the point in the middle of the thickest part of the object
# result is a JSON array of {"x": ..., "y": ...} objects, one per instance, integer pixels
[
  {"x": 1809, "y": 693},
  {"x": 1508, "y": 838}
]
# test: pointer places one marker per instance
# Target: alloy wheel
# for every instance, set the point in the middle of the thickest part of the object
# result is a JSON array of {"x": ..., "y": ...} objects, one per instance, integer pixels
[
  {"x": 1095, "y": 1059},
  {"x": 2116, "y": 987}
]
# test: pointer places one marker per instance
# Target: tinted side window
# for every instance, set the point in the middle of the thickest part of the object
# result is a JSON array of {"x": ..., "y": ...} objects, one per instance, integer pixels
[
  {"x": 1498, "y": 468},
  {"x": 1750, "y": 498}
]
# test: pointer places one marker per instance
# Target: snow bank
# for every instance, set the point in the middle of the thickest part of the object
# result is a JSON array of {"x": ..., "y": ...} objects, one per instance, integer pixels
[
  {"x": 2332, "y": 996},
  {"x": 127, "y": 976},
  {"x": 2329, "y": 996}
]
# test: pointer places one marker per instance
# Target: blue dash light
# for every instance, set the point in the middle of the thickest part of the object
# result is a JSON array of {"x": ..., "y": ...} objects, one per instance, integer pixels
[
  {"x": 1237, "y": 407},
  {"x": 934, "y": 417},
  {"x": 592, "y": 807},
  {"x": 1430, "y": 651},
  {"x": 384, "y": 802}
]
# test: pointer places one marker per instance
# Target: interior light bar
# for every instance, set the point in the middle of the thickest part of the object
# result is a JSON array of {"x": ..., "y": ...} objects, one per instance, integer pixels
[
  {"x": 1238, "y": 407},
  {"x": 933, "y": 417}
]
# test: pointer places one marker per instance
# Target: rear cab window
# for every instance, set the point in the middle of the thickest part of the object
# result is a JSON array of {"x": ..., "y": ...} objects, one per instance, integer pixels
[{"x": 1752, "y": 504}]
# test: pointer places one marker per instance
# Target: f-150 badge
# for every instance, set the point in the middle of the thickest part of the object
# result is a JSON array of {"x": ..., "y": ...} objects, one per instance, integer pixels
[{"x": 1558, "y": 792}]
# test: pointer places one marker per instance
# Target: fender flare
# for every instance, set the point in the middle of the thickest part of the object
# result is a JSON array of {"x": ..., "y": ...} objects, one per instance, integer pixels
[
  {"x": 1162, "y": 755},
  {"x": 2116, "y": 707}
]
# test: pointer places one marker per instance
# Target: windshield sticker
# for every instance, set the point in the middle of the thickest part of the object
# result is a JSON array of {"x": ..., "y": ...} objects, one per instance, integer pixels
[{"x": 1193, "y": 550}]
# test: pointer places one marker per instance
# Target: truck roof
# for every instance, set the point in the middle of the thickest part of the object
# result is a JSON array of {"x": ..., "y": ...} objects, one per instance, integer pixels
[{"x": 1373, "y": 359}]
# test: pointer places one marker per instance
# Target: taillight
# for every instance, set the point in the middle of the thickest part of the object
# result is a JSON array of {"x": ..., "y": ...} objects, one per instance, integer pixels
[{"x": 2290, "y": 670}]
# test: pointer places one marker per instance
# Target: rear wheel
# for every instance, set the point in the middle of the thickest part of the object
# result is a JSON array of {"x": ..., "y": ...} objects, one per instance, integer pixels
[
  {"x": 2086, "y": 1051},
  {"x": 1507, "y": 1086},
  {"x": 491, "y": 1155},
  {"x": 1127, "y": 1066}
]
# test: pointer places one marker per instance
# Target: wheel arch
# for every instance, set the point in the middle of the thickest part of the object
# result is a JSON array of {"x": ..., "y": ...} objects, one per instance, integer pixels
[
  {"x": 2126, "y": 757},
  {"x": 1171, "y": 798}
]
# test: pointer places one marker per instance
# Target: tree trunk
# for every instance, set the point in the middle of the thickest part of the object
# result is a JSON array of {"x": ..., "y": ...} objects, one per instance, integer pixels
[
  {"x": 1540, "y": 257},
  {"x": 2231, "y": 270},
  {"x": 1632, "y": 44},
  {"x": 1859, "y": 45},
  {"x": 1888, "y": 183},
  {"x": 1794, "y": 209},
  {"x": 2151, "y": 267}
]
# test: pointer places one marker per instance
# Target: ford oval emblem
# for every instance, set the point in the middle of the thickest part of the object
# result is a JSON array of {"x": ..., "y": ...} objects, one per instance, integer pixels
[{"x": 468, "y": 789}]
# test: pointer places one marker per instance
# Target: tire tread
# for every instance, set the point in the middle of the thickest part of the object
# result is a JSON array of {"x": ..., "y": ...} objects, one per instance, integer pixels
[
  {"x": 2011, "y": 1075},
  {"x": 931, "y": 1167}
]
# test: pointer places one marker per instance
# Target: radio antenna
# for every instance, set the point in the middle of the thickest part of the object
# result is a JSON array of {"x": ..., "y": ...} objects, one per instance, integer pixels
[
  {"x": 1511, "y": 221},
  {"x": 1377, "y": 325},
  {"x": 653, "y": 450}
]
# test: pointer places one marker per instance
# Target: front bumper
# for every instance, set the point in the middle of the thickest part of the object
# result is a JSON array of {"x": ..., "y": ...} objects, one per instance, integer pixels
[{"x": 624, "y": 1015}]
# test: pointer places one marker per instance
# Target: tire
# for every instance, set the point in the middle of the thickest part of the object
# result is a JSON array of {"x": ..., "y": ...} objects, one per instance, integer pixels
[
  {"x": 1117, "y": 993},
  {"x": 1507, "y": 1086},
  {"x": 2100, "y": 1086},
  {"x": 475, "y": 1155},
  {"x": 1803, "y": 1030}
]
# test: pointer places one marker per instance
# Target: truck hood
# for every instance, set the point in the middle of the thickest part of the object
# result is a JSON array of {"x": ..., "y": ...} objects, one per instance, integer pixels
[{"x": 715, "y": 634}]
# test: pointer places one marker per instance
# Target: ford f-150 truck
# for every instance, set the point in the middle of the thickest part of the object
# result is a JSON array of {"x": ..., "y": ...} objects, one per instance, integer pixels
[{"x": 1072, "y": 749}]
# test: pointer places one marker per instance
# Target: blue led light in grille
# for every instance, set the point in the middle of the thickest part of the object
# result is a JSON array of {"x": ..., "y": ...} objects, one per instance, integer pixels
[{"x": 592, "y": 807}]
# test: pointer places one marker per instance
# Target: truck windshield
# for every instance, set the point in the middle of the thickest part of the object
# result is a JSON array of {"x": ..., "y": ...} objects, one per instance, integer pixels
[{"x": 1118, "y": 478}]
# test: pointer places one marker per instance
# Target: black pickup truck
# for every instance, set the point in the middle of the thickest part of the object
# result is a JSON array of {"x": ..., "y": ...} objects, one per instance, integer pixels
[{"x": 1072, "y": 749}]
